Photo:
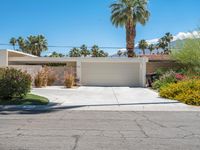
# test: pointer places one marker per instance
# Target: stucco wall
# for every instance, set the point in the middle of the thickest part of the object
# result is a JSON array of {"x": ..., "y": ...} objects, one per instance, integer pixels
[
  {"x": 3, "y": 58},
  {"x": 31, "y": 69},
  {"x": 59, "y": 71}
]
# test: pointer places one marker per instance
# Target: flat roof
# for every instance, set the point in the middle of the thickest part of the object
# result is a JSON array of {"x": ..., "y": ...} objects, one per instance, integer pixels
[
  {"x": 42, "y": 60},
  {"x": 14, "y": 53}
]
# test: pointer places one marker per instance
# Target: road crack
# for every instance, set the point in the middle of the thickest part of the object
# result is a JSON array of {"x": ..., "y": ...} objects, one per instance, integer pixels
[{"x": 76, "y": 137}]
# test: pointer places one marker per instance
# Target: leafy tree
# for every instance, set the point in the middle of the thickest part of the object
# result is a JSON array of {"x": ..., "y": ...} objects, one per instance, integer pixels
[
  {"x": 13, "y": 42},
  {"x": 143, "y": 45},
  {"x": 127, "y": 13},
  {"x": 75, "y": 52},
  {"x": 84, "y": 51},
  {"x": 188, "y": 54},
  {"x": 151, "y": 48}
]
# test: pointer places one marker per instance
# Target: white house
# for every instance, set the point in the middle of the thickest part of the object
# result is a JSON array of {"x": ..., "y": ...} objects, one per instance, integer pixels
[{"x": 90, "y": 71}]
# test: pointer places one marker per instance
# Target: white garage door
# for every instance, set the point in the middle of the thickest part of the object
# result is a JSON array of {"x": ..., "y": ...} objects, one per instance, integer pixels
[{"x": 110, "y": 74}]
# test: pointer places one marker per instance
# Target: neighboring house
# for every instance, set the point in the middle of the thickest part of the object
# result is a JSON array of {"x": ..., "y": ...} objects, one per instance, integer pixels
[{"x": 90, "y": 71}]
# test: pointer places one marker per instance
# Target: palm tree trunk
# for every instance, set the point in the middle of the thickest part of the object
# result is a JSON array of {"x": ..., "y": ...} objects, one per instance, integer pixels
[{"x": 130, "y": 38}]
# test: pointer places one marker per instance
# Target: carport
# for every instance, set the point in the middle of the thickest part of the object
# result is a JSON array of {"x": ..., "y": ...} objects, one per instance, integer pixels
[{"x": 112, "y": 72}]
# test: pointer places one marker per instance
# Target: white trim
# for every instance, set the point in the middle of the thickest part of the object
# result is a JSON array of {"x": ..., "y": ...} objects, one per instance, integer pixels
[{"x": 18, "y": 52}]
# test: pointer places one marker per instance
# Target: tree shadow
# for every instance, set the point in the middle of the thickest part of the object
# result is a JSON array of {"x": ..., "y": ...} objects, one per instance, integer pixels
[{"x": 54, "y": 107}]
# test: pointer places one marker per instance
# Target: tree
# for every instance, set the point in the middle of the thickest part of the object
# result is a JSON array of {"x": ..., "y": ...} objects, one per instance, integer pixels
[
  {"x": 188, "y": 54},
  {"x": 157, "y": 47},
  {"x": 143, "y": 45},
  {"x": 119, "y": 53},
  {"x": 102, "y": 54},
  {"x": 165, "y": 41},
  {"x": 36, "y": 44},
  {"x": 127, "y": 13},
  {"x": 95, "y": 51},
  {"x": 13, "y": 42},
  {"x": 84, "y": 50},
  {"x": 151, "y": 47},
  {"x": 168, "y": 37},
  {"x": 55, "y": 54},
  {"x": 75, "y": 52},
  {"x": 22, "y": 45}
]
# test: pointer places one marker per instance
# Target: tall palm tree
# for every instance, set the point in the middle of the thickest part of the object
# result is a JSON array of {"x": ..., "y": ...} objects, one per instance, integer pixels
[
  {"x": 168, "y": 37},
  {"x": 143, "y": 45},
  {"x": 151, "y": 48},
  {"x": 74, "y": 52},
  {"x": 13, "y": 42},
  {"x": 84, "y": 50},
  {"x": 36, "y": 44},
  {"x": 127, "y": 13},
  {"x": 42, "y": 44}
]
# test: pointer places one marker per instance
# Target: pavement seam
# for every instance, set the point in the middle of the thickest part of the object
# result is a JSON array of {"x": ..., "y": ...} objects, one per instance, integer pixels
[{"x": 115, "y": 96}]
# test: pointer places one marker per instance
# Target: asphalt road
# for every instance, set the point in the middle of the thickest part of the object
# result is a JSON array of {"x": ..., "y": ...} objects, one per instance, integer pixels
[{"x": 93, "y": 130}]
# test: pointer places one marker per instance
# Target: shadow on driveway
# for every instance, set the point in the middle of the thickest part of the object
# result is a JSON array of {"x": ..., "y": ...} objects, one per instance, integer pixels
[{"x": 54, "y": 107}]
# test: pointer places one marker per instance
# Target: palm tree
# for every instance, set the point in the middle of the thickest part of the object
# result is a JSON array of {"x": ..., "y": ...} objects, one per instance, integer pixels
[
  {"x": 95, "y": 51},
  {"x": 102, "y": 54},
  {"x": 119, "y": 53},
  {"x": 162, "y": 43},
  {"x": 127, "y": 13},
  {"x": 84, "y": 50},
  {"x": 55, "y": 54},
  {"x": 41, "y": 44},
  {"x": 143, "y": 45},
  {"x": 13, "y": 42},
  {"x": 151, "y": 47},
  {"x": 157, "y": 47},
  {"x": 74, "y": 52},
  {"x": 36, "y": 44},
  {"x": 22, "y": 44},
  {"x": 168, "y": 37}
]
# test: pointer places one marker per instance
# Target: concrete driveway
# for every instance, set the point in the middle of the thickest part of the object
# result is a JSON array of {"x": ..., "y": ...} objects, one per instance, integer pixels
[{"x": 110, "y": 98}]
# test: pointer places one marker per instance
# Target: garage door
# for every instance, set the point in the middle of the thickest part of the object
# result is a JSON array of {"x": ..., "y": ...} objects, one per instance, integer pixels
[{"x": 110, "y": 74}]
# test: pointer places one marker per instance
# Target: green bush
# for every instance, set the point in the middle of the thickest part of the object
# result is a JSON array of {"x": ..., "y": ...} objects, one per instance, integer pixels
[
  {"x": 187, "y": 53},
  {"x": 187, "y": 91},
  {"x": 14, "y": 83},
  {"x": 168, "y": 77}
]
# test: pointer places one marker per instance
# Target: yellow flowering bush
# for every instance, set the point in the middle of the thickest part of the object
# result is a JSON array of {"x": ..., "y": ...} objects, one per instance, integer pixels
[{"x": 186, "y": 91}]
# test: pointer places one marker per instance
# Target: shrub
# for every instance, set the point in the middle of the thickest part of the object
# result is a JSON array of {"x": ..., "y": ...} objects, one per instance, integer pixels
[
  {"x": 188, "y": 53},
  {"x": 51, "y": 79},
  {"x": 168, "y": 77},
  {"x": 14, "y": 83},
  {"x": 187, "y": 91},
  {"x": 41, "y": 78},
  {"x": 69, "y": 79}
]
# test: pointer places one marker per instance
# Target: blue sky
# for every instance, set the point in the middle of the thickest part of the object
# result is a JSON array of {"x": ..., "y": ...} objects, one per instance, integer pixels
[{"x": 70, "y": 22}]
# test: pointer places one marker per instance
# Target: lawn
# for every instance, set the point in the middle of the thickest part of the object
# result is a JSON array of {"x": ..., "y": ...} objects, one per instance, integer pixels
[{"x": 30, "y": 99}]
